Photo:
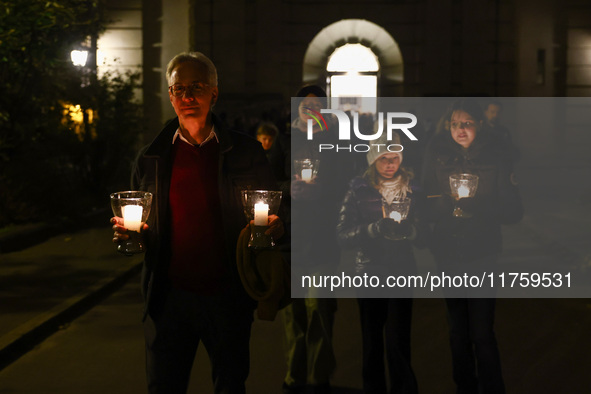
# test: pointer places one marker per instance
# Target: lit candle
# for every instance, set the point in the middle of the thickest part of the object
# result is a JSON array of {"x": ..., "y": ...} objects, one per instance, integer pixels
[
  {"x": 261, "y": 212},
  {"x": 132, "y": 217},
  {"x": 307, "y": 174},
  {"x": 396, "y": 216},
  {"x": 463, "y": 191}
]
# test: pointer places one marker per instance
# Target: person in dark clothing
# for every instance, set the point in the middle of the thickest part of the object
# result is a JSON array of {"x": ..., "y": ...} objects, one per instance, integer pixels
[
  {"x": 383, "y": 248},
  {"x": 471, "y": 244},
  {"x": 314, "y": 208},
  {"x": 195, "y": 169},
  {"x": 493, "y": 112},
  {"x": 280, "y": 158}
]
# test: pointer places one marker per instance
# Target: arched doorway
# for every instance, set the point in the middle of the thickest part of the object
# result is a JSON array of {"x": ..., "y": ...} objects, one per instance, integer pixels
[
  {"x": 352, "y": 74},
  {"x": 334, "y": 38}
]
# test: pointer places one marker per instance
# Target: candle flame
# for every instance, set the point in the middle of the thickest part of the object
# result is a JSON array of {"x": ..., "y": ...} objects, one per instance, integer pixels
[
  {"x": 261, "y": 214},
  {"x": 307, "y": 174},
  {"x": 463, "y": 191},
  {"x": 396, "y": 216},
  {"x": 132, "y": 217}
]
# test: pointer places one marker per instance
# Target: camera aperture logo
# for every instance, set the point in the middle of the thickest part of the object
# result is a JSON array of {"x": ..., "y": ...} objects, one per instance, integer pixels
[
  {"x": 344, "y": 123},
  {"x": 315, "y": 115}
]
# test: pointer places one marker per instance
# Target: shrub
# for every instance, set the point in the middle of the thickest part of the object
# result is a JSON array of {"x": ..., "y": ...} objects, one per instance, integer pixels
[{"x": 50, "y": 166}]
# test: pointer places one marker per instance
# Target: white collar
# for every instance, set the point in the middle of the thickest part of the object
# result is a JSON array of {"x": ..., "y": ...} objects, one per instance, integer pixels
[{"x": 211, "y": 136}]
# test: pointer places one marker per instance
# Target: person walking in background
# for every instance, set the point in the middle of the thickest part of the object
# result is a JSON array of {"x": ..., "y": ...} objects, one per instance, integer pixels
[
  {"x": 471, "y": 244},
  {"x": 383, "y": 248},
  {"x": 195, "y": 169},
  {"x": 314, "y": 204},
  {"x": 266, "y": 135},
  {"x": 493, "y": 113}
]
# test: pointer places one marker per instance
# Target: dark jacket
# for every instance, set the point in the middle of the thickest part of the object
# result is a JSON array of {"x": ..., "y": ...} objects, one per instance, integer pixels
[
  {"x": 496, "y": 202},
  {"x": 362, "y": 206},
  {"x": 242, "y": 165},
  {"x": 314, "y": 215}
]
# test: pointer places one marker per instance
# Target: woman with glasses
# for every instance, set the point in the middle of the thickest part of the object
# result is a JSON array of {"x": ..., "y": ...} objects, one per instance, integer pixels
[{"x": 467, "y": 236}]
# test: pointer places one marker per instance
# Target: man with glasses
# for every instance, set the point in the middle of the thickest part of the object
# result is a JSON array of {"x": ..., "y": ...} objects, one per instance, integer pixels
[{"x": 195, "y": 169}]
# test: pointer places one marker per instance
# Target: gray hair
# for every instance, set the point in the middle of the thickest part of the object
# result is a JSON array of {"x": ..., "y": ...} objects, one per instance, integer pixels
[{"x": 196, "y": 57}]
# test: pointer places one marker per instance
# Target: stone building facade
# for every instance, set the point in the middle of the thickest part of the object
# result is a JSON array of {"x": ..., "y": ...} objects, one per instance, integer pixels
[{"x": 266, "y": 49}]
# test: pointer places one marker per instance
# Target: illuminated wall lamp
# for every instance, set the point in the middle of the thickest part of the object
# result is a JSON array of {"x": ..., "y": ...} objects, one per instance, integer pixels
[{"x": 79, "y": 58}]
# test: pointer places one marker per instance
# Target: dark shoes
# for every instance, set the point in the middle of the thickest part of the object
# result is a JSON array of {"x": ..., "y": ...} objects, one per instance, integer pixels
[
  {"x": 294, "y": 389},
  {"x": 307, "y": 389},
  {"x": 323, "y": 388}
]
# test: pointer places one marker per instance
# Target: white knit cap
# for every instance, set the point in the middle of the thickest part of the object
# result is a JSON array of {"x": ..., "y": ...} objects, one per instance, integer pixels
[{"x": 375, "y": 152}]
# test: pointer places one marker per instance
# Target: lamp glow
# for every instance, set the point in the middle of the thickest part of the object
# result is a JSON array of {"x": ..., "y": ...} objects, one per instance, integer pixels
[{"x": 79, "y": 58}]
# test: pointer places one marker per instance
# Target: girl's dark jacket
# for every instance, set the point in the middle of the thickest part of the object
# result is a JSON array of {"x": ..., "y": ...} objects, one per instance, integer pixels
[
  {"x": 496, "y": 202},
  {"x": 362, "y": 206},
  {"x": 242, "y": 165}
]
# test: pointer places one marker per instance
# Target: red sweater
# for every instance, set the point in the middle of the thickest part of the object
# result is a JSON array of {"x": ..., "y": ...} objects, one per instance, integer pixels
[{"x": 197, "y": 235}]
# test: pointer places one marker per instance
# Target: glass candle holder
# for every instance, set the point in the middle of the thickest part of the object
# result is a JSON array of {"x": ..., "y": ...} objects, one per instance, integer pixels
[
  {"x": 258, "y": 205},
  {"x": 134, "y": 208},
  {"x": 398, "y": 211},
  {"x": 306, "y": 169},
  {"x": 462, "y": 186}
]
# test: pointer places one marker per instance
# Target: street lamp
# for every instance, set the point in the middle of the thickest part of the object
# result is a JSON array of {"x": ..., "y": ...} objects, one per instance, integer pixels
[{"x": 79, "y": 57}]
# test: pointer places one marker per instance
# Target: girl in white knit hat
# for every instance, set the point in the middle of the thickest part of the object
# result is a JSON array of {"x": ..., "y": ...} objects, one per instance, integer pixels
[{"x": 383, "y": 247}]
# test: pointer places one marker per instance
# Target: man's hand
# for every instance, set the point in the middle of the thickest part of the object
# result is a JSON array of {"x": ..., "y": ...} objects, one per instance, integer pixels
[
  {"x": 120, "y": 231},
  {"x": 275, "y": 229}
]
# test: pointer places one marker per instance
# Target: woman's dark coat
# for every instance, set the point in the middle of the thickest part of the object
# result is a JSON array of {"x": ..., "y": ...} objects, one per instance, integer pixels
[
  {"x": 362, "y": 206},
  {"x": 496, "y": 202}
]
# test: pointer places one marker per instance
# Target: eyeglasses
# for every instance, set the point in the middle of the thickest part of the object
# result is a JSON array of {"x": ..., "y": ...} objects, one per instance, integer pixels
[
  {"x": 197, "y": 88},
  {"x": 463, "y": 125}
]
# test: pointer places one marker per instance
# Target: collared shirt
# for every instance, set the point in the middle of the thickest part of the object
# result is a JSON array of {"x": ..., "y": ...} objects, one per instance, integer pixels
[{"x": 211, "y": 135}]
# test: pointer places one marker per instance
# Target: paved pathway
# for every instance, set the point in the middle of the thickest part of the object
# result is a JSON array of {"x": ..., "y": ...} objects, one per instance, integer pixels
[{"x": 544, "y": 343}]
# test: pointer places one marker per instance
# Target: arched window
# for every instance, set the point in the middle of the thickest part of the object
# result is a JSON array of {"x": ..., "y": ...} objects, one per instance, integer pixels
[{"x": 352, "y": 74}]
